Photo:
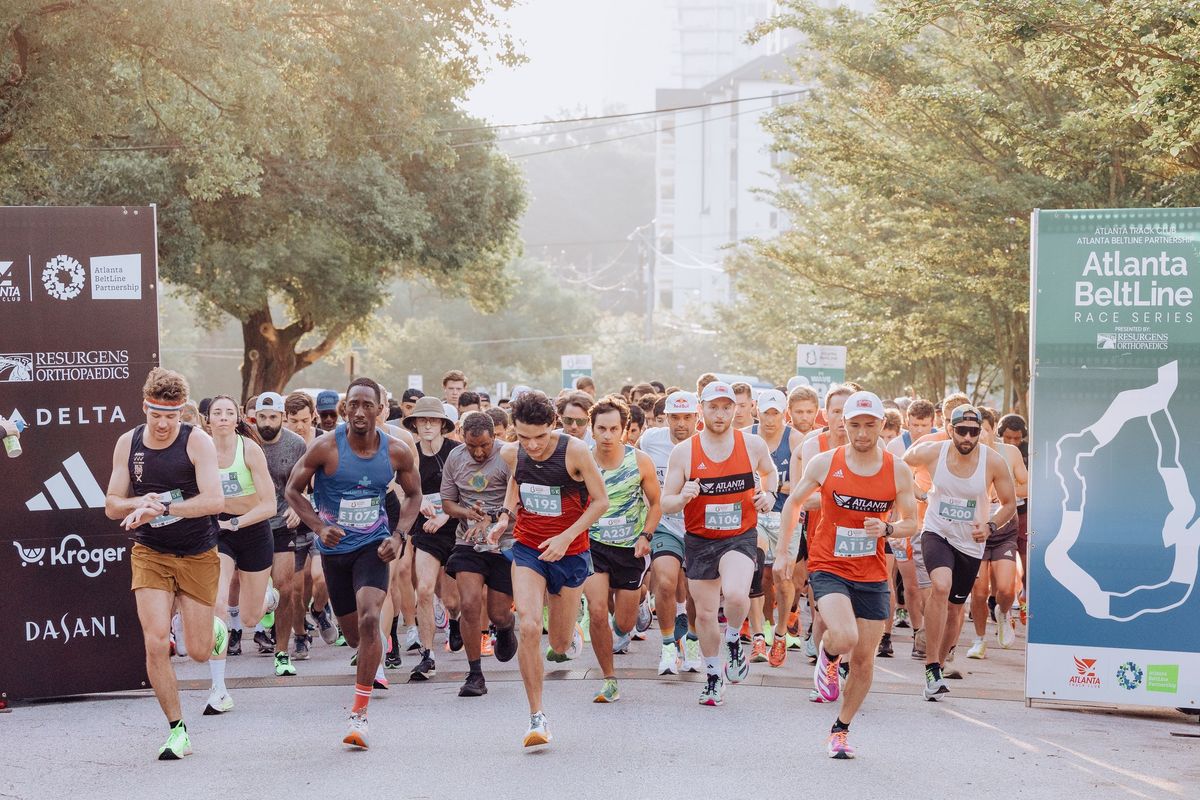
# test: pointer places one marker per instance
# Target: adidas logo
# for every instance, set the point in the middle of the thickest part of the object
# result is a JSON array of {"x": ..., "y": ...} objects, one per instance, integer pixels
[
  {"x": 60, "y": 490},
  {"x": 838, "y": 474},
  {"x": 702, "y": 465}
]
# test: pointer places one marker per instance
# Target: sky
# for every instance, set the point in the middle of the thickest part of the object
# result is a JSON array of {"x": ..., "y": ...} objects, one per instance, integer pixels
[{"x": 584, "y": 56}]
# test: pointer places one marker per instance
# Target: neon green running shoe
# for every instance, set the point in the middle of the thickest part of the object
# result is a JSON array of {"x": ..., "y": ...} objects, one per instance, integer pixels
[
  {"x": 268, "y": 621},
  {"x": 283, "y": 665},
  {"x": 220, "y": 637},
  {"x": 609, "y": 693},
  {"x": 178, "y": 745}
]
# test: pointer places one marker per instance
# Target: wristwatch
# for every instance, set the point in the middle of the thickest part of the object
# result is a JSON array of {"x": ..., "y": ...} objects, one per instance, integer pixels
[
  {"x": 647, "y": 535},
  {"x": 234, "y": 522},
  {"x": 888, "y": 529},
  {"x": 991, "y": 527}
]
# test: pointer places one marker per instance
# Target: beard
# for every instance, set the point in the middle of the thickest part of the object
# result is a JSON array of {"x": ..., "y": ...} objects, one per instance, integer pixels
[{"x": 268, "y": 432}]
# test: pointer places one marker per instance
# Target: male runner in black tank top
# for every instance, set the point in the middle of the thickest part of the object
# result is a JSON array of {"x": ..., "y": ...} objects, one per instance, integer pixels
[{"x": 166, "y": 489}]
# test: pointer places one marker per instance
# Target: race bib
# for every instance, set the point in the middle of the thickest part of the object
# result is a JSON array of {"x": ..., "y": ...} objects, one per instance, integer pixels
[
  {"x": 853, "y": 543},
  {"x": 175, "y": 496},
  {"x": 956, "y": 509},
  {"x": 771, "y": 520},
  {"x": 661, "y": 472},
  {"x": 545, "y": 501},
  {"x": 361, "y": 513},
  {"x": 899, "y": 549},
  {"x": 723, "y": 517},
  {"x": 616, "y": 530},
  {"x": 435, "y": 499},
  {"x": 231, "y": 485}
]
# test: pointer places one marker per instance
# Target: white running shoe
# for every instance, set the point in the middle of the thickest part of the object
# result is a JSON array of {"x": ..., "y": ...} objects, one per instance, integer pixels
[
  {"x": 692, "y": 660},
  {"x": 621, "y": 645},
  {"x": 1006, "y": 632},
  {"x": 669, "y": 663},
  {"x": 271, "y": 600},
  {"x": 177, "y": 630},
  {"x": 219, "y": 702},
  {"x": 441, "y": 620},
  {"x": 356, "y": 736},
  {"x": 576, "y": 648},
  {"x": 412, "y": 639},
  {"x": 978, "y": 649}
]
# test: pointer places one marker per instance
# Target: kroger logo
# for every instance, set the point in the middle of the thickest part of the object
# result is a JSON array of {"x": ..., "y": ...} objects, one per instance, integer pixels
[{"x": 72, "y": 551}]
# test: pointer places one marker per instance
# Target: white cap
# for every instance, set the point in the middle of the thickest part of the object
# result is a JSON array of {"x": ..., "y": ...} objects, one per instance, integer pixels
[
  {"x": 519, "y": 390},
  {"x": 451, "y": 412},
  {"x": 772, "y": 398},
  {"x": 269, "y": 401},
  {"x": 795, "y": 381},
  {"x": 681, "y": 403},
  {"x": 717, "y": 390},
  {"x": 863, "y": 404}
]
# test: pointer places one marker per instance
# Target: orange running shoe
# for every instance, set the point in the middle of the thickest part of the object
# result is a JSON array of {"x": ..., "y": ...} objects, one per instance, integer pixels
[
  {"x": 487, "y": 648},
  {"x": 778, "y": 651},
  {"x": 758, "y": 654},
  {"x": 746, "y": 630},
  {"x": 793, "y": 626}
]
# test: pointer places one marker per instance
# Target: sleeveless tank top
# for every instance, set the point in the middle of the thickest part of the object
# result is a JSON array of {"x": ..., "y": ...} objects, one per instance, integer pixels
[
  {"x": 550, "y": 499},
  {"x": 782, "y": 456},
  {"x": 657, "y": 443},
  {"x": 837, "y": 544},
  {"x": 431, "y": 467},
  {"x": 955, "y": 503},
  {"x": 812, "y": 518},
  {"x": 352, "y": 498},
  {"x": 169, "y": 472},
  {"x": 725, "y": 506},
  {"x": 625, "y": 519},
  {"x": 236, "y": 480}
]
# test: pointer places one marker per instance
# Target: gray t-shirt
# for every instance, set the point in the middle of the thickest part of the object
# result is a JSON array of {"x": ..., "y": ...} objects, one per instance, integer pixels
[
  {"x": 465, "y": 481},
  {"x": 282, "y": 455}
]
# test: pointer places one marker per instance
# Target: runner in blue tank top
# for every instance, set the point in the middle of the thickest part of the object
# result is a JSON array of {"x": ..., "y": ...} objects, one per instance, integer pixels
[{"x": 351, "y": 470}]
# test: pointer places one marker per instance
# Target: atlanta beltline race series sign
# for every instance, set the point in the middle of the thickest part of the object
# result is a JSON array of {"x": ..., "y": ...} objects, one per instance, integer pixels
[
  {"x": 1115, "y": 457},
  {"x": 78, "y": 333}
]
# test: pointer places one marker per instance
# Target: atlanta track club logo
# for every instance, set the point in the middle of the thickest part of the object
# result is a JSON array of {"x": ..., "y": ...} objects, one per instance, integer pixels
[
  {"x": 1085, "y": 673},
  {"x": 63, "y": 278}
]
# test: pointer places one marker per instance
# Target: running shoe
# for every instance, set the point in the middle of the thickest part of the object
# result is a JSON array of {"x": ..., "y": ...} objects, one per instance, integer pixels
[
  {"x": 737, "y": 668},
  {"x": 539, "y": 732},
  {"x": 778, "y": 651},
  {"x": 621, "y": 644},
  {"x": 668, "y": 664},
  {"x": 794, "y": 642},
  {"x": 758, "y": 650},
  {"x": 692, "y": 660},
  {"x": 609, "y": 693},
  {"x": 573, "y": 651},
  {"x": 268, "y": 620},
  {"x": 948, "y": 669},
  {"x": 356, "y": 736},
  {"x": 324, "y": 620},
  {"x": 978, "y": 648},
  {"x": 270, "y": 602},
  {"x": 172, "y": 646},
  {"x": 178, "y": 745},
  {"x": 918, "y": 648},
  {"x": 265, "y": 639},
  {"x": 638, "y": 636},
  {"x": 219, "y": 702},
  {"x": 1023, "y": 609},
  {"x": 486, "y": 647},
  {"x": 441, "y": 620},
  {"x": 826, "y": 678},
  {"x": 506, "y": 643},
  {"x": 713, "y": 693},
  {"x": 885, "y": 647},
  {"x": 934, "y": 685},
  {"x": 235, "y": 643},
  {"x": 391, "y": 660},
  {"x": 220, "y": 636},
  {"x": 1006, "y": 632},
  {"x": 838, "y": 746},
  {"x": 454, "y": 640},
  {"x": 354, "y": 659},
  {"x": 177, "y": 633},
  {"x": 301, "y": 648},
  {"x": 814, "y": 696},
  {"x": 681, "y": 626},
  {"x": 793, "y": 623},
  {"x": 901, "y": 618},
  {"x": 473, "y": 686},
  {"x": 283, "y": 666},
  {"x": 340, "y": 641},
  {"x": 425, "y": 670},
  {"x": 381, "y": 681},
  {"x": 810, "y": 648},
  {"x": 412, "y": 639},
  {"x": 645, "y": 616},
  {"x": 745, "y": 632}
]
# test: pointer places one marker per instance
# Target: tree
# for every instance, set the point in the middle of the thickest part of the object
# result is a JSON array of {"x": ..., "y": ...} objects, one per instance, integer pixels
[{"x": 303, "y": 155}]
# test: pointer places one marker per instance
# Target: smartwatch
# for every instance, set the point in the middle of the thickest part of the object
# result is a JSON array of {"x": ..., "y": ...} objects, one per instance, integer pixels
[
  {"x": 234, "y": 522},
  {"x": 991, "y": 527}
]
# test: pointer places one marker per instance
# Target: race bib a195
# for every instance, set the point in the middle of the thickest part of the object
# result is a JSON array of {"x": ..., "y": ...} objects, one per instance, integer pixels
[{"x": 545, "y": 501}]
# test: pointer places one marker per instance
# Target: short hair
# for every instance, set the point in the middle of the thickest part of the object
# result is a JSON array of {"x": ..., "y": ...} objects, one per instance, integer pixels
[
  {"x": 453, "y": 375},
  {"x": 533, "y": 408},
  {"x": 920, "y": 409},
  {"x": 609, "y": 403},
  {"x": 953, "y": 401},
  {"x": 741, "y": 387},
  {"x": 484, "y": 396},
  {"x": 584, "y": 381},
  {"x": 704, "y": 380},
  {"x": 839, "y": 390},
  {"x": 637, "y": 415},
  {"x": 670, "y": 390},
  {"x": 988, "y": 415},
  {"x": 251, "y": 402},
  {"x": 658, "y": 386},
  {"x": 660, "y": 406},
  {"x": 573, "y": 398},
  {"x": 626, "y": 390},
  {"x": 854, "y": 386},
  {"x": 903, "y": 403},
  {"x": 891, "y": 420},
  {"x": 370, "y": 384},
  {"x": 647, "y": 402},
  {"x": 411, "y": 394},
  {"x": 642, "y": 388},
  {"x": 165, "y": 385},
  {"x": 1012, "y": 422},
  {"x": 803, "y": 393},
  {"x": 469, "y": 399},
  {"x": 499, "y": 417},
  {"x": 296, "y": 402},
  {"x": 477, "y": 423}
]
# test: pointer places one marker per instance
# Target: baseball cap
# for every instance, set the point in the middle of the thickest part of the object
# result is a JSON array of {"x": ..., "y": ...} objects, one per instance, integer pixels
[
  {"x": 411, "y": 395},
  {"x": 269, "y": 401},
  {"x": 965, "y": 413},
  {"x": 451, "y": 412},
  {"x": 681, "y": 403},
  {"x": 327, "y": 400},
  {"x": 772, "y": 398},
  {"x": 795, "y": 381},
  {"x": 863, "y": 404},
  {"x": 717, "y": 390},
  {"x": 519, "y": 390}
]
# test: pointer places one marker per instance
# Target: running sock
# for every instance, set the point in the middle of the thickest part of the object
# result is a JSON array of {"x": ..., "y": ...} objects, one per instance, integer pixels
[
  {"x": 681, "y": 626},
  {"x": 712, "y": 666},
  {"x": 936, "y": 668},
  {"x": 680, "y": 608},
  {"x": 691, "y": 637},
  {"x": 668, "y": 640},
  {"x": 454, "y": 631},
  {"x": 839, "y": 726},
  {"x": 216, "y": 668},
  {"x": 474, "y": 666},
  {"x": 178, "y": 723},
  {"x": 733, "y": 634},
  {"x": 362, "y": 696},
  {"x": 235, "y": 618}
]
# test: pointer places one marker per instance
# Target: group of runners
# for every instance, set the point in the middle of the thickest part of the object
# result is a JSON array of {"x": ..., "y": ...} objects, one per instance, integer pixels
[{"x": 729, "y": 515}]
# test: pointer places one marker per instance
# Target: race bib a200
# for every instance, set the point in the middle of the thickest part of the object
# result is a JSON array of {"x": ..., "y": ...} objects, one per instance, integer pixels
[
  {"x": 361, "y": 513},
  {"x": 175, "y": 496},
  {"x": 853, "y": 543},
  {"x": 723, "y": 517},
  {"x": 956, "y": 509},
  {"x": 545, "y": 501}
]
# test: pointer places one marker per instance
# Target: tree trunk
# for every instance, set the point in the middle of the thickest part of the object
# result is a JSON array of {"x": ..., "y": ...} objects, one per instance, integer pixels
[{"x": 270, "y": 357}]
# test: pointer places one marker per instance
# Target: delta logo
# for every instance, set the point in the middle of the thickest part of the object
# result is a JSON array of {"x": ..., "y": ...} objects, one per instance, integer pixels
[{"x": 1085, "y": 674}]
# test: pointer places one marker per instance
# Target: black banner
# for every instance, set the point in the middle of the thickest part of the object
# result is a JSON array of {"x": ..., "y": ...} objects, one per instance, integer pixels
[{"x": 78, "y": 333}]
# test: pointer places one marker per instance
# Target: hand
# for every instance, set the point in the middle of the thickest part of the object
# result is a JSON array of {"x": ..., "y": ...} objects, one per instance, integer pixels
[
  {"x": 224, "y": 525},
  {"x": 690, "y": 491},
  {"x": 291, "y": 519},
  {"x": 554, "y": 548},
  {"x": 434, "y": 524},
  {"x": 9, "y": 428},
  {"x": 980, "y": 531},
  {"x": 140, "y": 516},
  {"x": 428, "y": 511},
  {"x": 764, "y": 501},
  {"x": 475, "y": 513},
  {"x": 331, "y": 535},
  {"x": 391, "y": 548},
  {"x": 642, "y": 548},
  {"x": 875, "y": 528},
  {"x": 151, "y": 501},
  {"x": 783, "y": 569}
]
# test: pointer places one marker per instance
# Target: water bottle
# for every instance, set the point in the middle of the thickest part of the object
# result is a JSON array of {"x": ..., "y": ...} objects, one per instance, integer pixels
[{"x": 12, "y": 445}]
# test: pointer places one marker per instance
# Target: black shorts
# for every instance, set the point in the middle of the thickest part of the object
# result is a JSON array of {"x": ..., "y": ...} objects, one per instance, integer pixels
[
  {"x": 249, "y": 547},
  {"x": 298, "y": 541},
  {"x": 802, "y": 554},
  {"x": 964, "y": 569},
  {"x": 346, "y": 573},
  {"x": 438, "y": 545},
  {"x": 1002, "y": 545},
  {"x": 760, "y": 564},
  {"x": 494, "y": 567},
  {"x": 871, "y": 599},
  {"x": 702, "y": 556},
  {"x": 624, "y": 569}
]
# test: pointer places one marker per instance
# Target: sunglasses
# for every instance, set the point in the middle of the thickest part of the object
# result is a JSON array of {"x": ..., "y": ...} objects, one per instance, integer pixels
[
  {"x": 966, "y": 430},
  {"x": 577, "y": 422}
]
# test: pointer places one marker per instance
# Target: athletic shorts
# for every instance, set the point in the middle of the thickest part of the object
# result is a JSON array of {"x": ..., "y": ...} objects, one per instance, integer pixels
[
  {"x": 438, "y": 545},
  {"x": 568, "y": 572},
  {"x": 871, "y": 599},
  {"x": 760, "y": 564},
  {"x": 802, "y": 551},
  {"x": 666, "y": 544},
  {"x": 964, "y": 569},
  {"x": 702, "y": 556},
  {"x": 1002, "y": 545},
  {"x": 768, "y": 528},
  {"x": 1023, "y": 535},
  {"x": 249, "y": 547},
  {"x": 918, "y": 557},
  {"x": 625, "y": 570},
  {"x": 195, "y": 576},
  {"x": 494, "y": 567},
  {"x": 346, "y": 573}
]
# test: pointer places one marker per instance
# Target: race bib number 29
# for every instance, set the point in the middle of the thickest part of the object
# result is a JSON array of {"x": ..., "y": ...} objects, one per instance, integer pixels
[{"x": 545, "y": 501}]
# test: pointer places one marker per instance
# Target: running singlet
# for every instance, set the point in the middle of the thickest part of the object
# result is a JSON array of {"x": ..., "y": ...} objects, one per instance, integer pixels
[
  {"x": 956, "y": 504},
  {"x": 625, "y": 519},
  {"x": 431, "y": 468},
  {"x": 169, "y": 472},
  {"x": 838, "y": 543},
  {"x": 782, "y": 456},
  {"x": 236, "y": 480},
  {"x": 352, "y": 497},
  {"x": 550, "y": 499},
  {"x": 812, "y": 518},
  {"x": 657, "y": 443},
  {"x": 725, "y": 506}
]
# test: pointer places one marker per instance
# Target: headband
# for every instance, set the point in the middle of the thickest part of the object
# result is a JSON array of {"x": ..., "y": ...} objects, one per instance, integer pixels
[{"x": 163, "y": 407}]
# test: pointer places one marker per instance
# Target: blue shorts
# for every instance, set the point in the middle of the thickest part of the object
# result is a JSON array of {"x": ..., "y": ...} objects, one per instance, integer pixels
[{"x": 568, "y": 571}]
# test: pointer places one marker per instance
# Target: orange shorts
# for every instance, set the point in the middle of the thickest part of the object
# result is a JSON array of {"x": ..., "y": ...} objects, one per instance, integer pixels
[{"x": 196, "y": 576}]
